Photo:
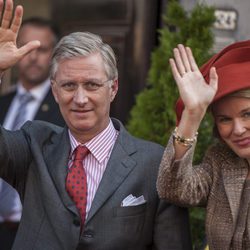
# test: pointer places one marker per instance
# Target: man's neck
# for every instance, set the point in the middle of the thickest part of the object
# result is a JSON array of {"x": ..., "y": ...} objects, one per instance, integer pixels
[
  {"x": 85, "y": 136},
  {"x": 29, "y": 86}
]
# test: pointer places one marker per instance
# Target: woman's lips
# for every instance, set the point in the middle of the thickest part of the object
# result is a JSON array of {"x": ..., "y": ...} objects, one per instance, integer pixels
[{"x": 242, "y": 142}]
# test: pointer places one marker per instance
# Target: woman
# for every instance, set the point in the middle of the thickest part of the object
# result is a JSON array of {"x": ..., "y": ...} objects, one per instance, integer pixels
[{"x": 221, "y": 182}]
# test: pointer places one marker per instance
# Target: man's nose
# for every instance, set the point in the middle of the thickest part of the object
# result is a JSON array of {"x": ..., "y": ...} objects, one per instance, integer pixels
[
  {"x": 80, "y": 96},
  {"x": 33, "y": 54}
]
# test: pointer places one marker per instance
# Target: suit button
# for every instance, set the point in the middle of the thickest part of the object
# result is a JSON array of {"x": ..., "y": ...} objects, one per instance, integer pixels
[
  {"x": 76, "y": 222},
  {"x": 88, "y": 234}
]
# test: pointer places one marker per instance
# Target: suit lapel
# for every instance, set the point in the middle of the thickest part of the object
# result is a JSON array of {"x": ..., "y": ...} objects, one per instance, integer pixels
[
  {"x": 118, "y": 168},
  {"x": 46, "y": 106},
  {"x": 57, "y": 156},
  {"x": 49, "y": 110}
]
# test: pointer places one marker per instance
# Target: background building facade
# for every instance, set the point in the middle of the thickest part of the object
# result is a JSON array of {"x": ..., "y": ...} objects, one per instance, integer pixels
[{"x": 130, "y": 26}]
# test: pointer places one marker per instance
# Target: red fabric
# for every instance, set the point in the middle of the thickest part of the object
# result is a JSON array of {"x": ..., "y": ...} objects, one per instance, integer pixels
[
  {"x": 76, "y": 182},
  {"x": 233, "y": 68}
]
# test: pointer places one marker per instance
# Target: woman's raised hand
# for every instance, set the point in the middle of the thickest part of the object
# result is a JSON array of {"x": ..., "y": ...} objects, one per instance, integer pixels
[
  {"x": 194, "y": 91},
  {"x": 9, "y": 53}
]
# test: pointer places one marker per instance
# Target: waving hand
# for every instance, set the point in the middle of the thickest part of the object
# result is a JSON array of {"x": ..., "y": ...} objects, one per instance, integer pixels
[
  {"x": 194, "y": 91},
  {"x": 9, "y": 53}
]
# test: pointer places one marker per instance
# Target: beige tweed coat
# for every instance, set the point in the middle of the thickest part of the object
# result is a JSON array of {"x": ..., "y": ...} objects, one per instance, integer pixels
[{"x": 216, "y": 183}]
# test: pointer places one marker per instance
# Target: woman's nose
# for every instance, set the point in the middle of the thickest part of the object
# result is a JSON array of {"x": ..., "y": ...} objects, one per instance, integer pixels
[{"x": 239, "y": 127}]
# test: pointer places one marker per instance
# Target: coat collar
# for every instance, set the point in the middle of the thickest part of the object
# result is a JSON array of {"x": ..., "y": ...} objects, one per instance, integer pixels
[{"x": 56, "y": 155}]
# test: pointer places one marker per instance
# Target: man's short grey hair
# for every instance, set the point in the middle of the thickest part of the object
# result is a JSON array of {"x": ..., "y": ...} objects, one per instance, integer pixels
[{"x": 80, "y": 44}]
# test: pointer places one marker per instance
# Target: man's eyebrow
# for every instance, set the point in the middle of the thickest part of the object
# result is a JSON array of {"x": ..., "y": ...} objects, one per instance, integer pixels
[
  {"x": 66, "y": 81},
  {"x": 81, "y": 81},
  {"x": 90, "y": 80}
]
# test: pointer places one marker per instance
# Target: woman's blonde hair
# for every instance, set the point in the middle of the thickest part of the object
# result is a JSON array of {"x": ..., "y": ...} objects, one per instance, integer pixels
[{"x": 241, "y": 93}]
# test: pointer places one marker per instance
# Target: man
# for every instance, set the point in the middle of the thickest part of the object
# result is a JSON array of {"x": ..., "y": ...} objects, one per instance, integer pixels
[
  {"x": 90, "y": 185},
  {"x": 33, "y": 73}
]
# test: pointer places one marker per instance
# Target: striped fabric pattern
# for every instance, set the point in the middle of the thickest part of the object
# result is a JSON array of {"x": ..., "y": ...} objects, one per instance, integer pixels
[{"x": 95, "y": 162}]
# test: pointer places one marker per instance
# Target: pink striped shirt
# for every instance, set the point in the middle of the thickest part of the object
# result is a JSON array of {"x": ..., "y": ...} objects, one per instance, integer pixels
[{"x": 95, "y": 162}]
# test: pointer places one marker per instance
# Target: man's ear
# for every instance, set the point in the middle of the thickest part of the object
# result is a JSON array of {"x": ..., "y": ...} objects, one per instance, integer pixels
[
  {"x": 54, "y": 90},
  {"x": 114, "y": 89}
]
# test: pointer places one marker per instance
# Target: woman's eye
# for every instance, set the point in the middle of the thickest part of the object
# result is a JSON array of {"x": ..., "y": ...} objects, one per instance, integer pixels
[{"x": 224, "y": 119}]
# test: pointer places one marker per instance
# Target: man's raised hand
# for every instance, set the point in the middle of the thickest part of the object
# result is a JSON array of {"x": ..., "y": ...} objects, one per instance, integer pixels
[{"x": 9, "y": 53}]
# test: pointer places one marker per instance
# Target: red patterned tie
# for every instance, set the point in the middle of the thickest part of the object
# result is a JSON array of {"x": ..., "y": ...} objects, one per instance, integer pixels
[{"x": 76, "y": 182}]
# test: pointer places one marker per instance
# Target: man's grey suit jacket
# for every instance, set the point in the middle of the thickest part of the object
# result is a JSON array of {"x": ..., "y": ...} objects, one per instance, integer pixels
[{"x": 34, "y": 160}]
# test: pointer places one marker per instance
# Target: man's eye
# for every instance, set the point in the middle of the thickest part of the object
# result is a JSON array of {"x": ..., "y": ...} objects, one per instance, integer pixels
[
  {"x": 68, "y": 86},
  {"x": 92, "y": 85}
]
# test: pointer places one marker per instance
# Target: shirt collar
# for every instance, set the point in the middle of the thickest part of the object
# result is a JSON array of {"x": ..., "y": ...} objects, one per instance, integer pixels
[
  {"x": 100, "y": 145},
  {"x": 38, "y": 92}
]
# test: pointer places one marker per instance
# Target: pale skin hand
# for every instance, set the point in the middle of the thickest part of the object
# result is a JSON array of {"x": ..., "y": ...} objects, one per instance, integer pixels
[
  {"x": 9, "y": 53},
  {"x": 194, "y": 91}
]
